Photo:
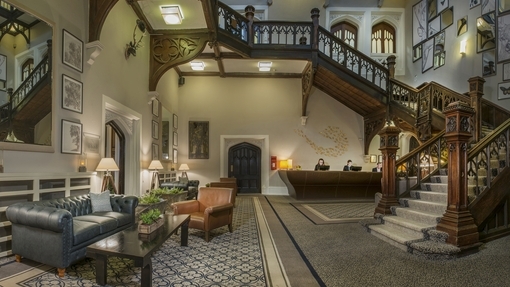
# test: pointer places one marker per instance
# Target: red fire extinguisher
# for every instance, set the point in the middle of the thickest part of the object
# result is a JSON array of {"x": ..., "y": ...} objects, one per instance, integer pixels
[{"x": 273, "y": 162}]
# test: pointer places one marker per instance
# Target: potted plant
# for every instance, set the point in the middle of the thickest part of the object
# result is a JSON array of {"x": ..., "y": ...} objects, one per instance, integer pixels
[
  {"x": 171, "y": 195},
  {"x": 150, "y": 221},
  {"x": 150, "y": 201}
]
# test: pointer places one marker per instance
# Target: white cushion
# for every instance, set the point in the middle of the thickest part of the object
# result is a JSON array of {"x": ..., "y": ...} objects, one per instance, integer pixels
[{"x": 100, "y": 201}]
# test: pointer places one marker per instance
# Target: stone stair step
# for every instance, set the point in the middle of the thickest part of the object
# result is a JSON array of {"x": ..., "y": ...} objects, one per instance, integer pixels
[
  {"x": 408, "y": 226},
  {"x": 439, "y": 178},
  {"x": 393, "y": 236},
  {"x": 427, "y": 206},
  {"x": 430, "y": 195},
  {"x": 431, "y": 186},
  {"x": 416, "y": 215}
]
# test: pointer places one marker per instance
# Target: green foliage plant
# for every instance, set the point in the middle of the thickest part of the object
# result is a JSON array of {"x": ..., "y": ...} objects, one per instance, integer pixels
[
  {"x": 165, "y": 190},
  {"x": 149, "y": 217},
  {"x": 149, "y": 199}
]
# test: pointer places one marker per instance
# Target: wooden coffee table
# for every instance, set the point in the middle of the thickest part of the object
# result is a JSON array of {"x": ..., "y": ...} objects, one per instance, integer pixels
[{"x": 139, "y": 247}]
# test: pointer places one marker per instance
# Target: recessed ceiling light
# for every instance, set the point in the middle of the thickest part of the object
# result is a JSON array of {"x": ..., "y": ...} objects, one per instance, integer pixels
[
  {"x": 197, "y": 66},
  {"x": 172, "y": 14},
  {"x": 265, "y": 66}
]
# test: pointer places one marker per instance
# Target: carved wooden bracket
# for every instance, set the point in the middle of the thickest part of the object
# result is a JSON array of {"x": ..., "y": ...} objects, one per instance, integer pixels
[{"x": 306, "y": 84}]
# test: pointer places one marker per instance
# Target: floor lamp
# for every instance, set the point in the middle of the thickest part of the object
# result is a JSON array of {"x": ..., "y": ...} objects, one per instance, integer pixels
[
  {"x": 155, "y": 165},
  {"x": 108, "y": 164},
  {"x": 184, "y": 167}
]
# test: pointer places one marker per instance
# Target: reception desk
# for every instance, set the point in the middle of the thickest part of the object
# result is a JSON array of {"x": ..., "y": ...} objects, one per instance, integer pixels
[{"x": 307, "y": 184}]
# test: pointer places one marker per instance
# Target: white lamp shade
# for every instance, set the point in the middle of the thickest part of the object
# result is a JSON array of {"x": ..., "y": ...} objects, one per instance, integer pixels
[
  {"x": 107, "y": 164},
  {"x": 184, "y": 167},
  {"x": 155, "y": 164}
]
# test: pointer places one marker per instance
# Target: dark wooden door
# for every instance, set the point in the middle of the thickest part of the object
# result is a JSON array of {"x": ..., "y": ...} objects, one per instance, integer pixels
[{"x": 244, "y": 165}]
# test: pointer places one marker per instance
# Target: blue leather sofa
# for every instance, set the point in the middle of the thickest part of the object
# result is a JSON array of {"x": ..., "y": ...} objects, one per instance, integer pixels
[{"x": 57, "y": 232}]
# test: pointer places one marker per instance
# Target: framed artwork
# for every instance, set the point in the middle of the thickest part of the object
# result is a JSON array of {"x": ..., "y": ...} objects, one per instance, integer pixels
[
  {"x": 503, "y": 91},
  {"x": 503, "y": 37},
  {"x": 72, "y": 51},
  {"x": 155, "y": 108},
  {"x": 434, "y": 26},
  {"x": 486, "y": 32},
  {"x": 72, "y": 94},
  {"x": 488, "y": 6},
  {"x": 504, "y": 6},
  {"x": 506, "y": 72},
  {"x": 71, "y": 137},
  {"x": 379, "y": 158},
  {"x": 489, "y": 63},
  {"x": 155, "y": 151},
  {"x": 91, "y": 144},
  {"x": 431, "y": 8},
  {"x": 175, "y": 139},
  {"x": 439, "y": 52},
  {"x": 176, "y": 124},
  {"x": 174, "y": 156},
  {"x": 446, "y": 18},
  {"x": 473, "y": 3},
  {"x": 198, "y": 140},
  {"x": 442, "y": 5},
  {"x": 373, "y": 158},
  {"x": 155, "y": 130},
  {"x": 462, "y": 26},
  {"x": 417, "y": 53},
  {"x": 3, "y": 67},
  {"x": 427, "y": 60},
  {"x": 419, "y": 22}
]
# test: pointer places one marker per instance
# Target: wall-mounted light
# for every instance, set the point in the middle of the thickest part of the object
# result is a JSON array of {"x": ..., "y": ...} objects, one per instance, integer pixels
[
  {"x": 134, "y": 45},
  {"x": 197, "y": 65},
  {"x": 265, "y": 66},
  {"x": 83, "y": 163},
  {"x": 463, "y": 44},
  {"x": 172, "y": 14}
]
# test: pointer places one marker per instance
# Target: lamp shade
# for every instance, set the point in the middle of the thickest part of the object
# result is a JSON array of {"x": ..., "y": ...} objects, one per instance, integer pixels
[
  {"x": 107, "y": 164},
  {"x": 155, "y": 164},
  {"x": 184, "y": 167}
]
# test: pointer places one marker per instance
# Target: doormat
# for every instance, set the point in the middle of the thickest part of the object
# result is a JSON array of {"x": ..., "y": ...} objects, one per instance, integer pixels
[{"x": 334, "y": 213}]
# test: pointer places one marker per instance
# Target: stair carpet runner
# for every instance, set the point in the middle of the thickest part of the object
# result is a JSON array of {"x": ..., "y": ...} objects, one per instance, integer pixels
[{"x": 412, "y": 225}]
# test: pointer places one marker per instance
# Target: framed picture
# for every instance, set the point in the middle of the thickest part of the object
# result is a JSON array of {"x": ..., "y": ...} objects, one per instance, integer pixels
[
  {"x": 155, "y": 151},
  {"x": 431, "y": 8},
  {"x": 198, "y": 140},
  {"x": 174, "y": 156},
  {"x": 155, "y": 108},
  {"x": 72, "y": 51},
  {"x": 72, "y": 94},
  {"x": 486, "y": 32},
  {"x": 427, "y": 59},
  {"x": 488, "y": 6},
  {"x": 462, "y": 26},
  {"x": 442, "y": 5},
  {"x": 504, "y": 6},
  {"x": 373, "y": 158},
  {"x": 155, "y": 130},
  {"x": 434, "y": 26},
  {"x": 91, "y": 144},
  {"x": 71, "y": 137},
  {"x": 3, "y": 67},
  {"x": 379, "y": 158},
  {"x": 175, "y": 139},
  {"x": 506, "y": 72},
  {"x": 503, "y": 37},
  {"x": 176, "y": 123},
  {"x": 503, "y": 91},
  {"x": 489, "y": 63},
  {"x": 419, "y": 22},
  {"x": 446, "y": 18},
  {"x": 417, "y": 53},
  {"x": 473, "y": 3}
]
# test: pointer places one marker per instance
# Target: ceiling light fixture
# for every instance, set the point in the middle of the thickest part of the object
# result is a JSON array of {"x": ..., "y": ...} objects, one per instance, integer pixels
[
  {"x": 265, "y": 66},
  {"x": 172, "y": 14},
  {"x": 197, "y": 66}
]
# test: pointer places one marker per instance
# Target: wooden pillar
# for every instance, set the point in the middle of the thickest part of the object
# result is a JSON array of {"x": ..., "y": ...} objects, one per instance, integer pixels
[
  {"x": 476, "y": 94},
  {"x": 249, "y": 12},
  {"x": 315, "y": 31},
  {"x": 458, "y": 221},
  {"x": 388, "y": 147},
  {"x": 391, "y": 61}
]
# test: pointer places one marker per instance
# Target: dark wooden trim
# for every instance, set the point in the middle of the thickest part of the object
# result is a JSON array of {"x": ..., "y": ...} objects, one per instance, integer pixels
[
  {"x": 98, "y": 11},
  {"x": 306, "y": 85}
]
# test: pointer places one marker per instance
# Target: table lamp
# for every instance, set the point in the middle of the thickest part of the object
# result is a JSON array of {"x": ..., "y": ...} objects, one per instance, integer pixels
[
  {"x": 155, "y": 165},
  {"x": 107, "y": 164},
  {"x": 184, "y": 167}
]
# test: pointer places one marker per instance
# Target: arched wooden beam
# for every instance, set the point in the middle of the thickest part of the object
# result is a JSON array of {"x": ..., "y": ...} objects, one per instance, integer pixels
[
  {"x": 168, "y": 51},
  {"x": 306, "y": 84},
  {"x": 98, "y": 11},
  {"x": 373, "y": 126}
]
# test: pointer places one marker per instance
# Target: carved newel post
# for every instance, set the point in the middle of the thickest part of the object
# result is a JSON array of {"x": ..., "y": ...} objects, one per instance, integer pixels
[
  {"x": 476, "y": 94},
  {"x": 388, "y": 147},
  {"x": 458, "y": 221}
]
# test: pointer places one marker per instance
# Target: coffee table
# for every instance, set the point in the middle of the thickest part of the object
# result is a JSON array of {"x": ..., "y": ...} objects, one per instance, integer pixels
[{"x": 139, "y": 247}]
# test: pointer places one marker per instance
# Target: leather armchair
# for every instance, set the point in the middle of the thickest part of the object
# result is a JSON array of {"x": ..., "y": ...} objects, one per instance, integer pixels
[{"x": 213, "y": 208}]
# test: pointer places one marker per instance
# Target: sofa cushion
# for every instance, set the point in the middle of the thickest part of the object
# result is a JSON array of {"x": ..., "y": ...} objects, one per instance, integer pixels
[
  {"x": 106, "y": 224},
  {"x": 84, "y": 230},
  {"x": 122, "y": 218},
  {"x": 100, "y": 201}
]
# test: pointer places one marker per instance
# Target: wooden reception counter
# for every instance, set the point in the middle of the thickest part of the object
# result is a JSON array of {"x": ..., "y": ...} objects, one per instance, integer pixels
[{"x": 307, "y": 184}]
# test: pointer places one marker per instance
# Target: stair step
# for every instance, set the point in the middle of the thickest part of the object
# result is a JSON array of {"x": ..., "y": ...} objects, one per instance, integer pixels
[
  {"x": 431, "y": 186},
  {"x": 426, "y": 206},
  {"x": 411, "y": 227},
  {"x": 439, "y": 179},
  {"x": 420, "y": 216},
  {"x": 430, "y": 195},
  {"x": 393, "y": 236}
]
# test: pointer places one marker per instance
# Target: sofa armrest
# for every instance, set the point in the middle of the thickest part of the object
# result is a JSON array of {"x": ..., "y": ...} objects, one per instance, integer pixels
[
  {"x": 124, "y": 203},
  {"x": 219, "y": 208},
  {"x": 185, "y": 207},
  {"x": 43, "y": 217}
]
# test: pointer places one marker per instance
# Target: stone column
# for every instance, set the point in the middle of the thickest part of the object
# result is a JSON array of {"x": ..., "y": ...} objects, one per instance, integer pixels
[
  {"x": 388, "y": 147},
  {"x": 476, "y": 94},
  {"x": 458, "y": 221}
]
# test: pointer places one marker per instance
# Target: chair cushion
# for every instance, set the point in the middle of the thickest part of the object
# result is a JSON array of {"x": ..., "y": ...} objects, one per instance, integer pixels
[
  {"x": 100, "y": 201},
  {"x": 106, "y": 224},
  {"x": 83, "y": 231}
]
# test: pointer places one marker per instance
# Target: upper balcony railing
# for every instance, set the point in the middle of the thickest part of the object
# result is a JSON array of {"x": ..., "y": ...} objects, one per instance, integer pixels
[{"x": 301, "y": 35}]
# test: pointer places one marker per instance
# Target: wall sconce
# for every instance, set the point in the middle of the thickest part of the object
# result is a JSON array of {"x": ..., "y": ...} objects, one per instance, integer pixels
[
  {"x": 265, "y": 66},
  {"x": 197, "y": 65},
  {"x": 172, "y": 14},
  {"x": 83, "y": 163},
  {"x": 134, "y": 45},
  {"x": 463, "y": 44}
]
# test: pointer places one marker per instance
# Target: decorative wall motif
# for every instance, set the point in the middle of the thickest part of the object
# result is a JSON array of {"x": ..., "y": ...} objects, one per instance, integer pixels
[
  {"x": 332, "y": 133},
  {"x": 198, "y": 140}
]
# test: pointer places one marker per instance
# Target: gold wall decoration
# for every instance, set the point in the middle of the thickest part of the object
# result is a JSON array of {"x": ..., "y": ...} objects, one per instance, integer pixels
[{"x": 333, "y": 133}]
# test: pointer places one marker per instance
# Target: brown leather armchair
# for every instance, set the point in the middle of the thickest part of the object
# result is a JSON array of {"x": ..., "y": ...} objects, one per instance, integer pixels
[{"x": 213, "y": 208}]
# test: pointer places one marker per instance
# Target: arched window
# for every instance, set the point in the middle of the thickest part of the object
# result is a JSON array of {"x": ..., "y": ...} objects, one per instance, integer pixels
[
  {"x": 27, "y": 68},
  {"x": 346, "y": 32},
  {"x": 383, "y": 38}
]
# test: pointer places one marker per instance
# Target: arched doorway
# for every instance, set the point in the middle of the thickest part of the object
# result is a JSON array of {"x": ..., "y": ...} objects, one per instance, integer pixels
[
  {"x": 115, "y": 144},
  {"x": 244, "y": 163}
]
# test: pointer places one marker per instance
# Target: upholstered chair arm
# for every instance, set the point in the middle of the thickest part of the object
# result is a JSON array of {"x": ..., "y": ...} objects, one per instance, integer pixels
[
  {"x": 218, "y": 208},
  {"x": 43, "y": 217},
  {"x": 124, "y": 203},
  {"x": 185, "y": 207}
]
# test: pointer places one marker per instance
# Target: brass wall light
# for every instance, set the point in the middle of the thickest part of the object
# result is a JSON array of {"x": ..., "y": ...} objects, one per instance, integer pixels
[{"x": 134, "y": 45}]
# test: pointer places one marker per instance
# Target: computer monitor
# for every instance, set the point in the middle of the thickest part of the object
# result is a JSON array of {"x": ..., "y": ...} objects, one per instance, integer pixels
[
  {"x": 324, "y": 167},
  {"x": 355, "y": 168}
]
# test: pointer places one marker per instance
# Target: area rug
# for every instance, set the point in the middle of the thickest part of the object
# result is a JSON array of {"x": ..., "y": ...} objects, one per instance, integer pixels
[
  {"x": 334, "y": 213},
  {"x": 229, "y": 259}
]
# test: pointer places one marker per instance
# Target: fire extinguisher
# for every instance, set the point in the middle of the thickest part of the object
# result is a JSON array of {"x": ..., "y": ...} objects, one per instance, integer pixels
[{"x": 273, "y": 162}]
